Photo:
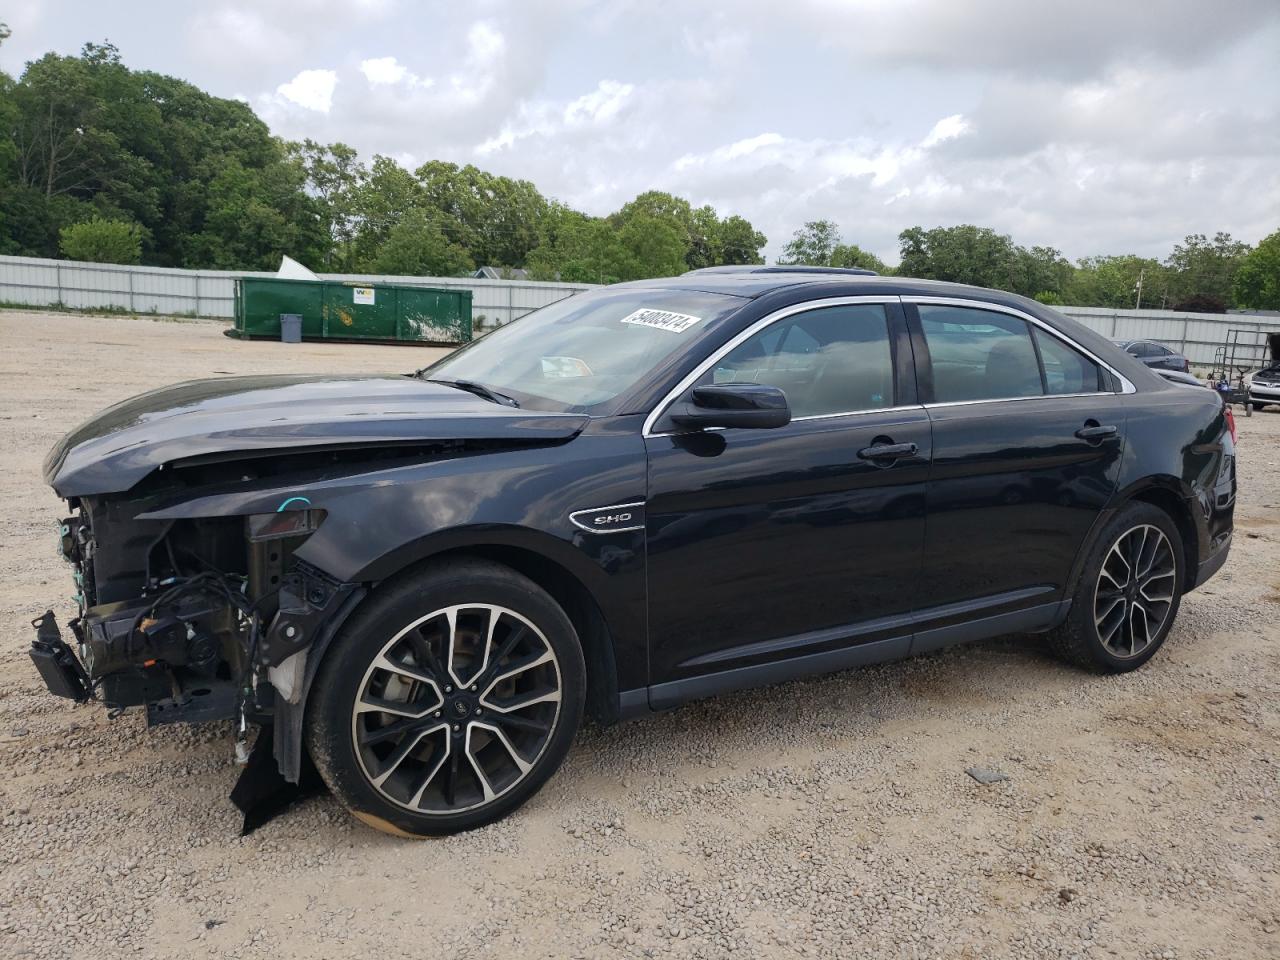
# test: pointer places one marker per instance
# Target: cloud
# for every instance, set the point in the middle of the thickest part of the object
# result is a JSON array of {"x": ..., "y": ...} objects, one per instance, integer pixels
[
  {"x": 948, "y": 128},
  {"x": 1066, "y": 40},
  {"x": 383, "y": 70},
  {"x": 310, "y": 89},
  {"x": 1092, "y": 126}
]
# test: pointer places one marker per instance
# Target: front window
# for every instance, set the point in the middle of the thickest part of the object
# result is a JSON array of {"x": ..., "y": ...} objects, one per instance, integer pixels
[
  {"x": 583, "y": 352},
  {"x": 827, "y": 361}
]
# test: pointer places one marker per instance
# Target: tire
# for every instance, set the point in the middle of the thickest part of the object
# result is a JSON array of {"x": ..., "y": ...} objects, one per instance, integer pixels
[
  {"x": 407, "y": 748},
  {"x": 1257, "y": 406},
  {"x": 1106, "y": 630}
]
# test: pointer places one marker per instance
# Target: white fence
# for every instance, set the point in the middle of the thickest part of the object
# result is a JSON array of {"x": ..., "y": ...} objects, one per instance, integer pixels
[
  {"x": 1197, "y": 336},
  {"x": 211, "y": 293}
]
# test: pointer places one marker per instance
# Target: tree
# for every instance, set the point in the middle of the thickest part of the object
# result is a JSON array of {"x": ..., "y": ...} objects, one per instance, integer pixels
[
  {"x": 740, "y": 242},
  {"x": 102, "y": 241},
  {"x": 254, "y": 216},
  {"x": 852, "y": 255},
  {"x": 812, "y": 245},
  {"x": 1205, "y": 268},
  {"x": 1257, "y": 279},
  {"x": 207, "y": 185},
  {"x": 1043, "y": 272},
  {"x": 576, "y": 248},
  {"x": 386, "y": 195},
  {"x": 654, "y": 247},
  {"x": 417, "y": 247},
  {"x": 962, "y": 254},
  {"x": 495, "y": 218},
  {"x": 334, "y": 176},
  {"x": 1113, "y": 282}
]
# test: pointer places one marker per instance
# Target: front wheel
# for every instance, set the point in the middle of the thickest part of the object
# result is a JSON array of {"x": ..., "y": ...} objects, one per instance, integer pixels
[
  {"x": 447, "y": 700},
  {"x": 1128, "y": 594}
]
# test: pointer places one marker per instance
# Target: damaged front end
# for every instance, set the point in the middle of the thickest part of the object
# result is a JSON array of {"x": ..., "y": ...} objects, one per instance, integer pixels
[
  {"x": 194, "y": 620},
  {"x": 214, "y": 526}
]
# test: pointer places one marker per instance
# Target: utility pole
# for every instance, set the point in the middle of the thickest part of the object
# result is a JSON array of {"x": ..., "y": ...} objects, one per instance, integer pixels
[{"x": 1141, "y": 273}]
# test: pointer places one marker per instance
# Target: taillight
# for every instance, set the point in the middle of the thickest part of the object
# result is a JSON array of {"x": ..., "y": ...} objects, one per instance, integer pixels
[{"x": 1231, "y": 421}]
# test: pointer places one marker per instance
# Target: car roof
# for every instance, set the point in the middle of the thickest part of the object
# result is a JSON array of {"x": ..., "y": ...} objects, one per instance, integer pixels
[{"x": 754, "y": 281}]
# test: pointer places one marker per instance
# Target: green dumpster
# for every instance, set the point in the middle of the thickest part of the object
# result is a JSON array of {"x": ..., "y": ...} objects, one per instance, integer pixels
[{"x": 352, "y": 310}]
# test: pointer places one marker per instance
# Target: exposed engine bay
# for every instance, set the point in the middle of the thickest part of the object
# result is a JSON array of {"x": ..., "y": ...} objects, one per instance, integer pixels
[{"x": 191, "y": 620}]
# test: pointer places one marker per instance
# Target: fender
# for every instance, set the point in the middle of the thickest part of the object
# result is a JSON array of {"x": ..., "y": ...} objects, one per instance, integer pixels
[{"x": 1134, "y": 491}]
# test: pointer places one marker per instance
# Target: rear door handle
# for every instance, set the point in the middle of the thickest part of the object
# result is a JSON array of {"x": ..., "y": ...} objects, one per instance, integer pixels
[
  {"x": 1093, "y": 432},
  {"x": 888, "y": 451}
]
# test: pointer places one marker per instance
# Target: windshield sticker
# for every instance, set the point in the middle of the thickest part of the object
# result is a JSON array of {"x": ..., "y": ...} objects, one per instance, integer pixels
[
  {"x": 559, "y": 368},
  {"x": 662, "y": 320}
]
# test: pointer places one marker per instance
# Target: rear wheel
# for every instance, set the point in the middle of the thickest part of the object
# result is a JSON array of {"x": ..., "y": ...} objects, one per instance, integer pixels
[
  {"x": 1128, "y": 595},
  {"x": 447, "y": 701}
]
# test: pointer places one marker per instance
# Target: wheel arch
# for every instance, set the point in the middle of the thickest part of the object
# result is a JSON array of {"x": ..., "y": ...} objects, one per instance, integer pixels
[
  {"x": 1167, "y": 497},
  {"x": 1166, "y": 493},
  {"x": 573, "y": 597},
  {"x": 553, "y": 564}
]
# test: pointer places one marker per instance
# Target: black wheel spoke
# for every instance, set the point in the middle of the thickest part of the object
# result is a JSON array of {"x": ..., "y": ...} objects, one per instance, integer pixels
[
  {"x": 519, "y": 722},
  {"x": 397, "y": 728},
  {"x": 451, "y": 778},
  {"x": 518, "y": 633},
  {"x": 423, "y": 653}
]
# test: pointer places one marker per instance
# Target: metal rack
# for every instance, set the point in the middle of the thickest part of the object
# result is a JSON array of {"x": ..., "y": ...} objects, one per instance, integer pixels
[{"x": 1243, "y": 351}]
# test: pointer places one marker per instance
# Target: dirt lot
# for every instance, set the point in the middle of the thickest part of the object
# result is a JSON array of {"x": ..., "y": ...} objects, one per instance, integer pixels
[{"x": 827, "y": 818}]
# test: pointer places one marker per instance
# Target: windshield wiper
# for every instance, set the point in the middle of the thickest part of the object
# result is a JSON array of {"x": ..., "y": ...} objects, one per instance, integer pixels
[{"x": 480, "y": 390}]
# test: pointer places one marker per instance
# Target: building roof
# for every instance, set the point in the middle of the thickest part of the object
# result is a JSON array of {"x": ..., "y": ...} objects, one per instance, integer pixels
[{"x": 501, "y": 273}]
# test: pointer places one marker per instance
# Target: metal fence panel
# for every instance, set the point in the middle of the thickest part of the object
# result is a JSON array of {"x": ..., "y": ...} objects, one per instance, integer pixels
[{"x": 211, "y": 293}]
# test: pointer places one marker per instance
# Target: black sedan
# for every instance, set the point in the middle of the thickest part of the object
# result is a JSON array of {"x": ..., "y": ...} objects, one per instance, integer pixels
[
  {"x": 1155, "y": 355},
  {"x": 637, "y": 496}
]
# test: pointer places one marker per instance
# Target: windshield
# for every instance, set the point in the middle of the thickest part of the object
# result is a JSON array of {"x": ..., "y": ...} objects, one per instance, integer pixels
[{"x": 582, "y": 352}]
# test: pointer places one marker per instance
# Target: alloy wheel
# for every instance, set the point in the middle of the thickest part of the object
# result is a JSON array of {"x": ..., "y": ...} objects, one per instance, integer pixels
[
  {"x": 456, "y": 709},
  {"x": 1135, "y": 591}
]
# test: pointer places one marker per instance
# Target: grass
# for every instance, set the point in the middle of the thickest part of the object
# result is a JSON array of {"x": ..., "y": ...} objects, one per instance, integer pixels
[{"x": 175, "y": 317}]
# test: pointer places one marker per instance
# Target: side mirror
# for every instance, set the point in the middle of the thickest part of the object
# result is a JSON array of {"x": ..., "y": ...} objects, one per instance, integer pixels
[{"x": 746, "y": 405}]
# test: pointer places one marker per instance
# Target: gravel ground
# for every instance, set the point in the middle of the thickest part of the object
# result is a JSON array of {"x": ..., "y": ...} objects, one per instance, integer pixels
[{"x": 825, "y": 818}]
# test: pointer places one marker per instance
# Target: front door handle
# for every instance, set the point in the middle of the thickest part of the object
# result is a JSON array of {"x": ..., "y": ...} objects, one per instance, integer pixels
[
  {"x": 1093, "y": 432},
  {"x": 888, "y": 451}
]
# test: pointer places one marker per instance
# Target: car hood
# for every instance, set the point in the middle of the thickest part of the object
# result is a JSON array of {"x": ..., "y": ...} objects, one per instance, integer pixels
[{"x": 117, "y": 448}]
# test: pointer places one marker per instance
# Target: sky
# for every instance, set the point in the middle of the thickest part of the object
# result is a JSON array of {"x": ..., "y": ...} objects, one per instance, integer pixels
[{"x": 1093, "y": 126}]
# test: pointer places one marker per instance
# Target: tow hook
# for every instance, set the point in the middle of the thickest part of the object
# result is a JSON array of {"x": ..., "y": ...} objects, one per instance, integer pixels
[{"x": 57, "y": 663}]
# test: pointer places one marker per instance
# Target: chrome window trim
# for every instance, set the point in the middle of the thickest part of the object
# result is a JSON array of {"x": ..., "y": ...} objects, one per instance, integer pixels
[
  {"x": 1038, "y": 396},
  {"x": 856, "y": 413},
  {"x": 761, "y": 324},
  {"x": 1126, "y": 385}
]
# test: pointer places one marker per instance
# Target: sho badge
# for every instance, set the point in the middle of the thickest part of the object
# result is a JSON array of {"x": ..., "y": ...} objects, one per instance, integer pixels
[{"x": 617, "y": 518}]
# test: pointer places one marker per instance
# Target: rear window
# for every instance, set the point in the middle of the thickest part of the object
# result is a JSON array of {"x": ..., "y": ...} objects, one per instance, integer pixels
[{"x": 984, "y": 355}]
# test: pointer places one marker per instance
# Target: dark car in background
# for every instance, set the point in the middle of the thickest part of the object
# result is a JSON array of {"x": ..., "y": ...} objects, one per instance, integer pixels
[
  {"x": 637, "y": 496},
  {"x": 1155, "y": 355}
]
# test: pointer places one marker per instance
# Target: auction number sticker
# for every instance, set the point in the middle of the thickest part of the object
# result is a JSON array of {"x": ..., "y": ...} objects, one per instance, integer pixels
[
  {"x": 362, "y": 295},
  {"x": 662, "y": 320}
]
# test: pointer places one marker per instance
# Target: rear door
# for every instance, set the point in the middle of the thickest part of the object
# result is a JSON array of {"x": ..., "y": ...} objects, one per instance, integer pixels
[
  {"x": 1028, "y": 433},
  {"x": 766, "y": 547}
]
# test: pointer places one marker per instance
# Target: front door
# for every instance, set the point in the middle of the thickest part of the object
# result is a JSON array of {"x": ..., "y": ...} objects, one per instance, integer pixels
[
  {"x": 784, "y": 551},
  {"x": 1027, "y": 438}
]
